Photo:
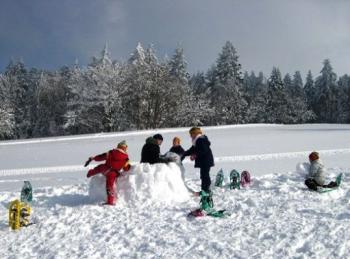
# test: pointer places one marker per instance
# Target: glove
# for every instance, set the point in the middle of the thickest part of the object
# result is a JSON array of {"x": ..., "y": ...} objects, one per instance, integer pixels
[{"x": 88, "y": 162}]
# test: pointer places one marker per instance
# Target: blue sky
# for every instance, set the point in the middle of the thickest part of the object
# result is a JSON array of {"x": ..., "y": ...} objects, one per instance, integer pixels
[{"x": 292, "y": 35}]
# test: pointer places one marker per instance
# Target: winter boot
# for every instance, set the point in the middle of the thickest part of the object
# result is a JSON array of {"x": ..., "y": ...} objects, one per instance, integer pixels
[
  {"x": 206, "y": 202},
  {"x": 111, "y": 198}
]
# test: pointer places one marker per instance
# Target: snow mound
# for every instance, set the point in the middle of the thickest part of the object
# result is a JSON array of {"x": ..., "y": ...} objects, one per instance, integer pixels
[{"x": 144, "y": 183}]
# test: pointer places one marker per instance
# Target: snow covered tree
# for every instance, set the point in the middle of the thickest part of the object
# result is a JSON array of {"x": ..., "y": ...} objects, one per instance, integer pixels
[
  {"x": 95, "y": 103},
  {"x": 344, "y": 99},
  {"x": 255, "y": 92},
  {"x": 230, "y": 106},
  {"x": 21, "y": 96},
  {"x": 51, "y": 105},
  {"x": 7, "y": 119},
  {"x": 178, "y": 67},
  {"x": 310, "y": 90},
  {"x": 287, "y": 82},
  {"x": 277, "y": 108},
  {"x": 326, "y": 104},
  {"x": 298, "y": 103}
]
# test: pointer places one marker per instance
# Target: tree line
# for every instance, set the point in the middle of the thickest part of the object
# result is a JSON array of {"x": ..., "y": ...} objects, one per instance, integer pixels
[{"x": 145, "y": 92}]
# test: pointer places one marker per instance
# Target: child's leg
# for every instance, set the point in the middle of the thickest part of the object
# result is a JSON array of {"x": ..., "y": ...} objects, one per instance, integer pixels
[
  {"x": 331, "y": 185},
  {"x": 110, "y": 187},
  {"x": 205, "y": 177},
  {"x": 98, "y": 169},
  {"x": 311, "y": 184}
]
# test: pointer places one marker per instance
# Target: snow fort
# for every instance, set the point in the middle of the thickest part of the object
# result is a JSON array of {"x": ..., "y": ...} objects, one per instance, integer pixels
[{"x": 144, "y": 183}]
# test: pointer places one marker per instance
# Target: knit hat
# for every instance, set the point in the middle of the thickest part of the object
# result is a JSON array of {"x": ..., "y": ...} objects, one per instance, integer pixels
[
  {"x": 122, "y": 144},
  {"x": 314, "y": 156},
  {"x": 158, "y": 136},
  {"x": 196, "y": 130}
]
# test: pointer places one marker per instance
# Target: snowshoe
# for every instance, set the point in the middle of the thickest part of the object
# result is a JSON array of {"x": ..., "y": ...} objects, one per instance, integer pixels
[
  {"x": 202, "y": 213},
  {"x": 219, "y": 179},
  {"x": 245, "y": 179},
  {"x": 234, "y": 180},
  {"x": 27, "y": 192},
  {"x": 19, "y": 213},
  {"x": 196, "y": 213},
  {"x": 216, "y": 213}
]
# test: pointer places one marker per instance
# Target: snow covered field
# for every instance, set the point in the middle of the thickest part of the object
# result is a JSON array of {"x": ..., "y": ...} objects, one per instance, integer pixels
[{"x": 275, "y": 218}]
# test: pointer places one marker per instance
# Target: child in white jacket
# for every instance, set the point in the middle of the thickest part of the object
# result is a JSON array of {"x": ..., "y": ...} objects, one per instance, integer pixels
[{"x": 317, "y": 173}]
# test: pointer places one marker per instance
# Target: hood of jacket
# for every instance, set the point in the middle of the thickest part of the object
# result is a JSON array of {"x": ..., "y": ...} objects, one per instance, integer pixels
[{"x": 150, "y": 140}]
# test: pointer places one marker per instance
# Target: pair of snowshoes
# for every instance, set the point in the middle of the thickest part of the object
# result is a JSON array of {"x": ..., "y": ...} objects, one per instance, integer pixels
[{"x": 20, "y": 210}]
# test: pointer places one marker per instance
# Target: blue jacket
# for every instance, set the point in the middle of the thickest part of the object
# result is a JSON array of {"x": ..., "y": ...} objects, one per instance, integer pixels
[{"x": 201, "y": 149}]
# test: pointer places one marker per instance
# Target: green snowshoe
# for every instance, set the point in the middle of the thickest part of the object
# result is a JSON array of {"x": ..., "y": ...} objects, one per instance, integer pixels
[
  {"x": 27, "y": 192},
  {"x": 235, "y": 180},
  {"x": 219, "y": 179}
]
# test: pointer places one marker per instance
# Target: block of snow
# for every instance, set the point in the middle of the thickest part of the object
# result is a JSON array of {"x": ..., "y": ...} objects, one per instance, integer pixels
[
  {"x": 303, "y": 169},
  {"x": 144, "y": 183}
]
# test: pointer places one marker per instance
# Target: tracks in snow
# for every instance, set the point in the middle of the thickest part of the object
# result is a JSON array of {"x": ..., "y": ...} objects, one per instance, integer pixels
[{"x": 256, "y": 157}]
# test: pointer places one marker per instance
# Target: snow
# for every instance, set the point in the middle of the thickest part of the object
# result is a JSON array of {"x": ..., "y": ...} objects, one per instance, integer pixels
[
  {"x": 144, "y": 183},
  {"x": 276, "y": 217}
]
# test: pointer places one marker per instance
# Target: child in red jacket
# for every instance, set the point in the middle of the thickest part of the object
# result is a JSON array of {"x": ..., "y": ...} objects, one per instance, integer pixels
[{"x": 116, "y": 160}]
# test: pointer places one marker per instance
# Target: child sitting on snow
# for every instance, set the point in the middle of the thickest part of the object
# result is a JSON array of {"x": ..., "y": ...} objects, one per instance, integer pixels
[
  {"x": 116, "y": 160},
  {"x": 317, "y": 173}
]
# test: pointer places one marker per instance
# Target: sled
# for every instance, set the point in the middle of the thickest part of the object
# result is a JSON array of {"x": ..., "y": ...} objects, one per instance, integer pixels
[{"x": 328, "y": 189}]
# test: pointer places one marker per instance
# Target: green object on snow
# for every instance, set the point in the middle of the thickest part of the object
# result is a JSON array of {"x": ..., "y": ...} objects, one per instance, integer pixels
[
  {"x": 206, "y": 202},
  {"x": 328, "y": 189},
  {"x": 219, "y": 179},
  {"x": 235, "y": 180},
  {"x": 27, "y": 192}
]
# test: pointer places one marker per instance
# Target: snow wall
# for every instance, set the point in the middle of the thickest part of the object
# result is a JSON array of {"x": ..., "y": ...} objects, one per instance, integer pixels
[{"x": 144, "y": 183}]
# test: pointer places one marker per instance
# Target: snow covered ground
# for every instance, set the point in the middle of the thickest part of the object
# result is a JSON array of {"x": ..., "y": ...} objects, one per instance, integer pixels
[{"x": 275, "y": 218}]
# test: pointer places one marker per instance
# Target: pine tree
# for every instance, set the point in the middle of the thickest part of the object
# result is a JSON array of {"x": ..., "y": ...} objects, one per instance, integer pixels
[
  {"x": 310, "y": 91},
  {"x": 344, "y": 99},
  {"x": 255, "y": 91},
  {"x": 7, "y": 119},
  {"x": 298, "y": 103},
  {"x": 277, "y": 108},
  {"x": 21, "y": 96},
  {"x": 51, "y": 105},
  {"x": 230, "y": 106},
  {"x": 326, "y": 96}
]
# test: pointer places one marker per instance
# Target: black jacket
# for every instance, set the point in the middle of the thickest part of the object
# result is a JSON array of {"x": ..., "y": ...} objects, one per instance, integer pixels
[
  {"x": 151, "y": 152},
  {"x": 203, "y": 153},
  {"x": 177, "y": 150}
]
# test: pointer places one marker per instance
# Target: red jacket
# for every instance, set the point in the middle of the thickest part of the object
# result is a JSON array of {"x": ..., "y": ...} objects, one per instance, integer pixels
[{"x": 117, "y": 159}]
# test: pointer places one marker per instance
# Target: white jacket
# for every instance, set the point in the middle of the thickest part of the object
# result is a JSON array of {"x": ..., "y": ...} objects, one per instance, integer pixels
[{"x": 317, "y": 172}]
